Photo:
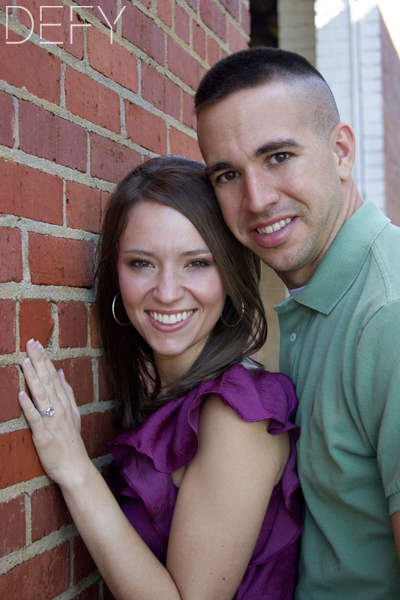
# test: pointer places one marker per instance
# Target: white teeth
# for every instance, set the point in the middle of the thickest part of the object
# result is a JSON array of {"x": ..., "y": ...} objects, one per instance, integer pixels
[
  {"x": 274, "y": 227},
  {"x": 171, "y": 319}
]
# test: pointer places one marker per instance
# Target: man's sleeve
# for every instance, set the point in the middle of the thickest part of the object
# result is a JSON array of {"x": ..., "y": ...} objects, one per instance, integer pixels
[{"x": 377, "y": 393}]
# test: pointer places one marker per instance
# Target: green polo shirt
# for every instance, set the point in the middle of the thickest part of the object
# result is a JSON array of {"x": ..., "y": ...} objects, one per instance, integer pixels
[{"x": 340, "y": 344}]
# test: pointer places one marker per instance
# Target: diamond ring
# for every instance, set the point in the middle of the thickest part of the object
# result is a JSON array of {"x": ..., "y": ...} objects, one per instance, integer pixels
[{"x": 49, "y": 412}]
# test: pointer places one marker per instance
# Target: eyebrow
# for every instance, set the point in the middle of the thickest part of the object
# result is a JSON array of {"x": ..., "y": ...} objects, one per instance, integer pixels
[
  {"x": 188, "y": 253},
  {"x": 279, "y": 144}
]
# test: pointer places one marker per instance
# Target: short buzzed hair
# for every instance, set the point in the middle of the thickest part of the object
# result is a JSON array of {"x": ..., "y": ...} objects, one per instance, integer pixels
[{"x": 259, "y": 66}]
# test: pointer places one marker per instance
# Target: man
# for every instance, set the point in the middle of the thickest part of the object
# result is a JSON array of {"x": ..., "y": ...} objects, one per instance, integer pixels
[{"x": 281, "y": 164}]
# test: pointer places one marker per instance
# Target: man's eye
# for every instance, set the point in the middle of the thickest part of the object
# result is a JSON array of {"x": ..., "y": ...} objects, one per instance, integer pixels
[
  {"x": 279, "y": 157},
  {"x": 228, "y": 176}
]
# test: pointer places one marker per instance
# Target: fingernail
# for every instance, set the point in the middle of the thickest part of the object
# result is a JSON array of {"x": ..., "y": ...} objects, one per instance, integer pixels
[
  {"x": 27, "y": 363},
  {"x": 39, "y": 345},
  {"x": 30, "y": 342},
  {"x": 61, "y": 372}
]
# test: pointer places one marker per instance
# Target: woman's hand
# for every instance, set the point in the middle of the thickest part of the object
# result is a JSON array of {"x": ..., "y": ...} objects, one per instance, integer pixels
[{"x": 53, "y": 417}]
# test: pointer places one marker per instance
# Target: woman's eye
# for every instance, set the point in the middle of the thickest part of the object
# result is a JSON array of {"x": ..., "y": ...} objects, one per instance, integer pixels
[
  {"x": 139, "y": 264},
  {"x": 228, "y": 176},
  {"x": 199, "y": 264},
  {"x": 279, "y": 157}
]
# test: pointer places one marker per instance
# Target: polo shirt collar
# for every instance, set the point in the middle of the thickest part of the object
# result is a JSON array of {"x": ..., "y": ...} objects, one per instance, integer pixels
[{"x": 343, "y": 259}]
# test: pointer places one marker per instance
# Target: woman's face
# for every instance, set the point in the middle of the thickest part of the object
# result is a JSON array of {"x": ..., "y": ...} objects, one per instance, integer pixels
[{"x": 170, "y": 285}]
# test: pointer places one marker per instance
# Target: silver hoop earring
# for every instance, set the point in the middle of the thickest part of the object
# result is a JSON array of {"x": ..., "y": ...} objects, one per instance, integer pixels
[
  {"x": 113, "y": 312},
  {"x": 237, "y": 322}
]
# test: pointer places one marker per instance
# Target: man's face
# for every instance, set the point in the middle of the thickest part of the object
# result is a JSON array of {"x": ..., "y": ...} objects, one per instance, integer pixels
[{"x": 275, "y": 176}]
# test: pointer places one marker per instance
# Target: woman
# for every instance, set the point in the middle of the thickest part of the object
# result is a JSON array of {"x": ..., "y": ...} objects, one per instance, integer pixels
[{"x": 206, "y": 462}]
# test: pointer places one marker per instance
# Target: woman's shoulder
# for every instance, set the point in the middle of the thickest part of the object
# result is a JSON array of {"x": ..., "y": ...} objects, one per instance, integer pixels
[{"x": 253, "y": 392}]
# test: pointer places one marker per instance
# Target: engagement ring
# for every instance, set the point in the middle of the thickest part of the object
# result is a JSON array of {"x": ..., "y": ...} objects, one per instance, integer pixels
[{"x": 49, "y": 412}]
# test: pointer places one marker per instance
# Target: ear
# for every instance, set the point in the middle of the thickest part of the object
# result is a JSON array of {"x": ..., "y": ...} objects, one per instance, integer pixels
[{"x": 343, "y": 144}]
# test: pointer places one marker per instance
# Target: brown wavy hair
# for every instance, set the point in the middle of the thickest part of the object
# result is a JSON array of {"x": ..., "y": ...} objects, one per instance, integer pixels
[{"x": 183, "y": 185}]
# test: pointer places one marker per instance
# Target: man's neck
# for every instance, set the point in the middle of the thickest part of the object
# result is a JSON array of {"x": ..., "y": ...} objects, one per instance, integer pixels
[{"x": 300, "y": 277}]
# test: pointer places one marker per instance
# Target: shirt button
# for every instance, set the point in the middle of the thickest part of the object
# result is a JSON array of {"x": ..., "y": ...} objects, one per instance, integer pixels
[{"x": 293, "y": 337}]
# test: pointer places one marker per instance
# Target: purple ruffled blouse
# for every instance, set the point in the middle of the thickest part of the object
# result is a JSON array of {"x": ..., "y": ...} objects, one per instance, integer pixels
[{"x": 167, "y": 441}]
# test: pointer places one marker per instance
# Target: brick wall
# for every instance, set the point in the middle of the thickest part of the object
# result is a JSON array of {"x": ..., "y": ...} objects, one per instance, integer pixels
[{"x": 74, "y": 118}]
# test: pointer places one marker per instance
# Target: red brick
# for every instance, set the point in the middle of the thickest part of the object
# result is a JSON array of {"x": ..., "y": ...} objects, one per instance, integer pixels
[
  {"x": 59, "y": 15},
  {"x": 91, "y": 100},
  {"x": 35, "y": 321},
  {"x": 213, "y": 17},
  {"x": 112, "y": 60},
  {"x": 164, "y": 11},
  {"x": 145, "y": 129},
  {"x": 143, "y": 33},
  {"x": 183, "y": 145},
  {"x": 105, "y": 390},
  {"x": 182, "y": 64},
  {"x": 57, "y": 261},
  {"x": 146, "y": 3},
  {"x": 7, "y": 326},
  {"x": 189, "y": 117},
  {"x": 232, "y": 6},
  {"x": 97, "y": 430},
  {"x": 104, "y": 202},
  {"x": 49, "y": 511},
  {"x": 18, "y": 458},
  {"x": 192, "y": 4},
  {"x": 109, "y": 8},
  {"x": 83, "y": 207},
  {"x": 94, "y": 334},
  {"x": 160, "y": 91},
  {"x": 29, "y": 193},
  {"x": 212, "y": 51},
  {"x": 73, "y": 323},
  {"x": 223, "y": 53},
  {"x": 78, "y": 372},
  {"x": 9, "y": 386},
  {"x": 236, "y": 40},
  {"x": 83, "y": 562},
  {"x": 199, "y": 40},
  {"x": 91, "y": 593},
  {"x": 12, "y": 525},
  {"x": 153, "y": 86},
  {"x": 48, "y": 136},
  {"x": 182, "y": 28},
  {"x": 43, "y": 577},
  {"x": 10, "y": 254},
  {"x": 42, "y": 80},
  {"x": 111, "y": 161},
  {"x": 172, "y": 99},
  {"x": 245, "y": 19},
  {"x": 6, "y": 120}
]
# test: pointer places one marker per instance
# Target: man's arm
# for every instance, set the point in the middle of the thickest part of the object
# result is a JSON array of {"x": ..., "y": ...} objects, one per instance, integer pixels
[{"x": 396, "y": 531}]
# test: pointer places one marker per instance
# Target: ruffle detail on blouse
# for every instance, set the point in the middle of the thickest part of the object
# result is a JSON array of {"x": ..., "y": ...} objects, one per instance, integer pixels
[{"x": 168, "y": 441}]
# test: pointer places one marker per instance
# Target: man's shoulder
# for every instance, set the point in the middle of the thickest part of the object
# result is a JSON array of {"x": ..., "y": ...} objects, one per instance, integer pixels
[{"x": 384, "y": 266}]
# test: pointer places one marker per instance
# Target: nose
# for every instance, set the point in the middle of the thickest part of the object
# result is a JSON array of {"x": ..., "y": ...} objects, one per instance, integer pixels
[
  {"x": 259, "y": 192},
  {"x": 168, "y": 287}
]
